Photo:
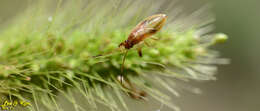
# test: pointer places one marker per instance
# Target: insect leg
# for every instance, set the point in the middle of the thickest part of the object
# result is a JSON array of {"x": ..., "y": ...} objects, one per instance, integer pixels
[
  {"x": 134, "y": 93},
  {"x": 139, "y": 50},
  {"x": 122, "y": 66},
  {"x": 107, "y": 54},
  {"x": 154, "y": 38},
  {"x": 147, "y": 44}
]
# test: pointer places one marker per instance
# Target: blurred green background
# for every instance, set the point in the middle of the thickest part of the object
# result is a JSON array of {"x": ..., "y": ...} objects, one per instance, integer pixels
[{"x": 237, "y": 86}]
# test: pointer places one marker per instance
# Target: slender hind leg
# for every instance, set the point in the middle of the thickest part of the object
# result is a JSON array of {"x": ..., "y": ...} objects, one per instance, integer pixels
[
  {"x": 147, "y": 44},
  {"x": 154, "y": 38},
  {"x": 134, "y": 93}
]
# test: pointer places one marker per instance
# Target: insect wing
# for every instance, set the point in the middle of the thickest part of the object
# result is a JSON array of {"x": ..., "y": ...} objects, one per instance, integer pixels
[{"x": 151, "y": 24}]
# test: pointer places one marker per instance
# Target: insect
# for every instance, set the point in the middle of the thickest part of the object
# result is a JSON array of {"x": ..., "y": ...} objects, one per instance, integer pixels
[{"x": 146, "y": 28}]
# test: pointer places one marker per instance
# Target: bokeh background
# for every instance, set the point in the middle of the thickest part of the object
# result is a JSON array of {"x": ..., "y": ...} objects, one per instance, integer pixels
[{"x": 237, "y": 87}]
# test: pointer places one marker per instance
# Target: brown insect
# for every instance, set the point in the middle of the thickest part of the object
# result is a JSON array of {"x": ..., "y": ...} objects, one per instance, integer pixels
[
  {"x": 143, "y": 30},
  {"x": 146, "y": 28}
]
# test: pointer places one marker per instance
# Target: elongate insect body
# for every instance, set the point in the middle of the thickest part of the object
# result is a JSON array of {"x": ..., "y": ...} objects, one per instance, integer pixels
[{"x": 143, "y": 30}]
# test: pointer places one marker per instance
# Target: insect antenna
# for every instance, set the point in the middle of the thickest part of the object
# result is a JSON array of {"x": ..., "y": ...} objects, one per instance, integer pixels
[
  {"x": 122, "y": 66},
  {"x": 106, "y": 54}
]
